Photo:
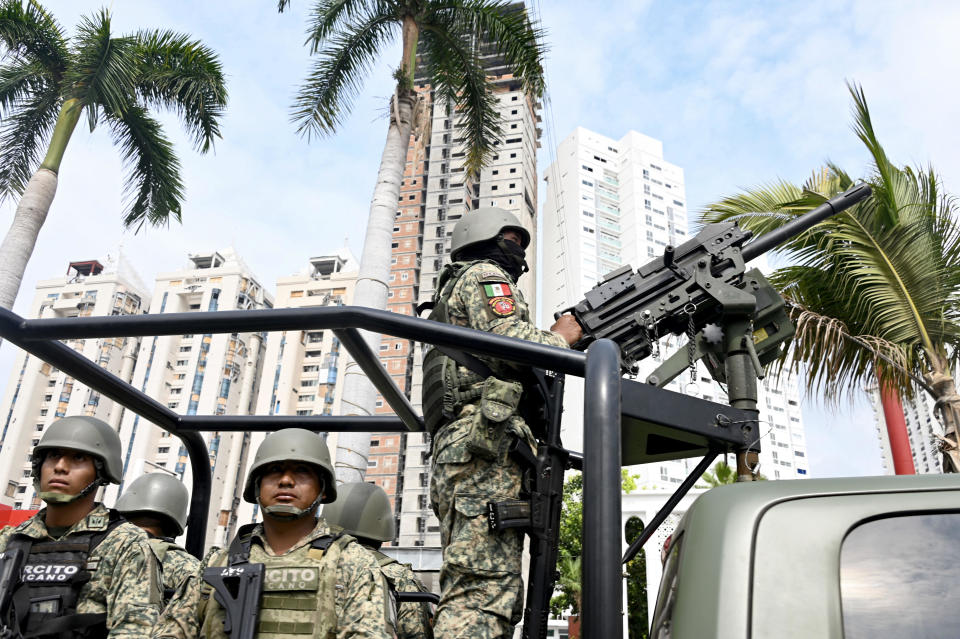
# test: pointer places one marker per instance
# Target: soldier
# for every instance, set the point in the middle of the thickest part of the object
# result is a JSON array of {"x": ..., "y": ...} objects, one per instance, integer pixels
[
  {"x": 77, "y": 569},
  {"x": 316, "y": 582},
  {"x": 363, "y": 510},
  {"x": 157, "y": 502},
  {"x": 474, "y": 413}
]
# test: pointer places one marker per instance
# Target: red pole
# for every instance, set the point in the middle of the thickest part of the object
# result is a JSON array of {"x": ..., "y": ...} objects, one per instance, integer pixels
[{"x": 897, "y": 431}]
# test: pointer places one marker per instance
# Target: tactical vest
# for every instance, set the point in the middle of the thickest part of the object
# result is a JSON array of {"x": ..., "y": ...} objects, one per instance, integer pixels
[
  {"x": 424, "y": 612},
  {"x": 44, "y": 603},
  {"x": 446, "y": 389},
  {"x": 299, "y": 593}
]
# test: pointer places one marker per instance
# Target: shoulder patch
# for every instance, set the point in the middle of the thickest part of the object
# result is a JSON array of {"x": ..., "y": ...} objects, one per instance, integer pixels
[
  {"x": 495, "y": 276},
  {"x": 502, "y": 306},
  {"x": 97, "y": 521},
  {"x": 497, "y": 289}
]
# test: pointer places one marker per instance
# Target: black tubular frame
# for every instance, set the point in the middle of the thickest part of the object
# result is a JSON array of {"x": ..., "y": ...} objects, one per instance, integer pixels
[{"x": 609, "y": 399}]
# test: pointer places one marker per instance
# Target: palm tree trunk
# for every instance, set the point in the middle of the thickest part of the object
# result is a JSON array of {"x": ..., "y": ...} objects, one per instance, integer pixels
[
  {"x": 31, "y": 213},
  {"x": 359, "y": 395},
  {"x": 896, "y": 431},
  {"x": 948, "y": 404}
]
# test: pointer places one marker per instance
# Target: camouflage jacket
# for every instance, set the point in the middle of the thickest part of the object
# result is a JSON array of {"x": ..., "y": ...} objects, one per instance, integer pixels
[
  {"x": 176, "y": 563},
  {"x": 413, "y": 619},
  {"x": 126, "y": 582},
  {"x": 359, "y": 601},
  {"x": 484, "y": 297}
]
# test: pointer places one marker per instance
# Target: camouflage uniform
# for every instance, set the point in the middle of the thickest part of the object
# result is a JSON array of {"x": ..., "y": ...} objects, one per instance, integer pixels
[
  {"x": 414, "y": 620},
  {"x": 126, "y": 582},
  {"x": 357, "y": 609},
  {"x": 480, "y": 579},
  {"x": 176, "y": 564}
]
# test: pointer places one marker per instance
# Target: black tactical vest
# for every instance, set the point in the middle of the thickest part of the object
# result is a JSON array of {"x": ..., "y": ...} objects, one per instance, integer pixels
[
  {"x": 445, "y": 388},
  {"x": 44, "y": 602}
]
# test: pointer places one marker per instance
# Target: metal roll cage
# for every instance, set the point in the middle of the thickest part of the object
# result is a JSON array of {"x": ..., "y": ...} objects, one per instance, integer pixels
[{"x": 625, "y": 422}]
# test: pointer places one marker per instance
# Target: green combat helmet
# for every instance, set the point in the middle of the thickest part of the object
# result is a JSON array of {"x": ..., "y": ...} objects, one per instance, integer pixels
[
  {"x": 291, "y": 444},
  {"x": 362, "y": 510},
  {"x": 158, "y": 494},
  {"x": 483, "y": 225},
  {"x": 85, "y": 434}
]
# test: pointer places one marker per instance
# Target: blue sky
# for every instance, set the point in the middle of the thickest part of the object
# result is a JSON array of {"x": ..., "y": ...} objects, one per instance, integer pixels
[{"x": 740, "y": 93}]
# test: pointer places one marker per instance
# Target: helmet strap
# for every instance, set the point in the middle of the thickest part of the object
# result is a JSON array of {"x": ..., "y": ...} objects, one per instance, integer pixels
[{"x": 59, "y": 498}]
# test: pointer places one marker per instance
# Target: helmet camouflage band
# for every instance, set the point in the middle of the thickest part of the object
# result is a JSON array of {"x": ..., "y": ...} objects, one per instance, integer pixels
[
  {"x": 157, "y": 494},
  {"x": 483, "y": 225},
  {"x": 85, "y": 434},
  {"x": 362, "y": 510},
  {"x": 291, "y": 444}
]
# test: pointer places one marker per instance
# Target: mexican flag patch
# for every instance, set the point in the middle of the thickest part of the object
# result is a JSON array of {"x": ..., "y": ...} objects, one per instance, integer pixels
[{"x": 497, "y": 290}]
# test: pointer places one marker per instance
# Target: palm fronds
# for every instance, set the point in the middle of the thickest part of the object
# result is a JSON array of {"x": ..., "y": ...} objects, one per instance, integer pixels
[
  {"x": 326, "y": 96},
  {"x": 177, "y": 73},
  {"x": 153, "y": 188}
]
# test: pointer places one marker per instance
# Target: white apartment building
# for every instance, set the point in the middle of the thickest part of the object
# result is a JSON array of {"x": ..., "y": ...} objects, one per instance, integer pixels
[
  {"x": 923, "y": 429},
  {"x": 614, "y": 202},
  {"x": 200, "y": 374},
  {"x": 302, "y": 370},
  {"x": 38, "y": 394}
]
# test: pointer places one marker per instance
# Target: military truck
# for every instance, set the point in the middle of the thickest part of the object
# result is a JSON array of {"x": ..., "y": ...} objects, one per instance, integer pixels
[{"x": 825, "y": 558}]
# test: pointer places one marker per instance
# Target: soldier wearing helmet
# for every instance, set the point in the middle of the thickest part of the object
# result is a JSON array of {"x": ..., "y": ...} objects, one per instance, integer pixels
[
  {"x": 77, "y": 568},
  {"x": 474, "y": 410},
  {"x": 363, "y": 510},
  {"x": 316, "y": 581},
  {"x": 157, "y": 502}
]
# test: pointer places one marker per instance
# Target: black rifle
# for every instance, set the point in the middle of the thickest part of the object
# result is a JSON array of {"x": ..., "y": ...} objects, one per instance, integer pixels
[
  {"x": 538, "y": 512},
  {"x": 11, "y": 564},
  {"x": 238, "y": 589}
]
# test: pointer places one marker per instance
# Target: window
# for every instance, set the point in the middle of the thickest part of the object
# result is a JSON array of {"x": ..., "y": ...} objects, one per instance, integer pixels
[
  {"x": 371, "y": 463},
  {"x": 185, "y": 349},
  {"x": 306, "y": 398},
  {"x": 181, "y": 362},
  {"x": 163, "y": 450},
  {"x": 883, "y": 576},
  {"x": 176, "y": 391},
  {"x": 374, "y": 442}
]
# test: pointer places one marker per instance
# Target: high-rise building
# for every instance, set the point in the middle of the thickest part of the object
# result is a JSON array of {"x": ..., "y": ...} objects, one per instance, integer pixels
[
  {"x": 200, "y": 374},
  {"x": 435, "y": 193},
  {"x": 38, "y": 393},
  {"x": 614, "y": 202},
  {"x": 923, "y": 429},
  {"x": 301, "y": 369}
]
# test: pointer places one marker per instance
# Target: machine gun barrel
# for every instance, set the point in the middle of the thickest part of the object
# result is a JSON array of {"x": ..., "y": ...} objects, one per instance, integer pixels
[{"x": 829, "y": 208}]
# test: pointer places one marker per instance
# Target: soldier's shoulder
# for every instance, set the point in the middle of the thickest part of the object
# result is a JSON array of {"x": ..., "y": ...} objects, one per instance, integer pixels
[
  {"x": 127, "y": 532},
  {"x": 486, "y": 272},
  {"x": 353, "y": 554}
]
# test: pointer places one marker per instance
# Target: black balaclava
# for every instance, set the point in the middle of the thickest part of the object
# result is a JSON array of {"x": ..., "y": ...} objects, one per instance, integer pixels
[{"x": 506, "y": 254}]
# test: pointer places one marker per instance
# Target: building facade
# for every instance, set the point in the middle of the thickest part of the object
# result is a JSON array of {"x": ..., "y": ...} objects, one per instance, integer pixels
[
  {"x": 200, "y": 374},
  {"x": 615, "y": 202},
  {"x": 38, "y": 394}
]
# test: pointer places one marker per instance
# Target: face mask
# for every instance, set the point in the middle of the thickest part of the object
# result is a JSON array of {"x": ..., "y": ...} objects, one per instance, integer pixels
[{"x": 513, "y": 258}]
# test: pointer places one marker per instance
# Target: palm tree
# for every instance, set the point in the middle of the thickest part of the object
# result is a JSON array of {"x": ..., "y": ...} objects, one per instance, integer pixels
[
  {"x": 723, "y": 474},
  {"x": 47, "y": 83},
  {"x": 873, "y": 290},
  {"x": 442, "y": 40}
]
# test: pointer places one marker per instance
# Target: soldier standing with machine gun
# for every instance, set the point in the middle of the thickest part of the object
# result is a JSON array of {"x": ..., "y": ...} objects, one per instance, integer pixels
[{"x": 475, "y": 410}]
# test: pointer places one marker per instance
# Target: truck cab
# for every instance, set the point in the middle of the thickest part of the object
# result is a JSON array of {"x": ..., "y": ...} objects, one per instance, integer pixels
[{"x": 826, "y": 558}]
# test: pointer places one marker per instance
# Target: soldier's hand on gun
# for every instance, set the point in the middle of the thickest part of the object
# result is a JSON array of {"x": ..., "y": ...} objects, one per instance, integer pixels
[{"x": 568, "y": 328}]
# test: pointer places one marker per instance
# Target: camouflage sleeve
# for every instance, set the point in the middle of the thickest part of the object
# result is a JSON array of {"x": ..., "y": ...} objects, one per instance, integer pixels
[
  {"x": 361, "y": 602},
  {"x": 5, "y": 535},
  {"x": 180, "y": 619},
  {"x": 413, "y": 619},
  {"x": 178, "y": 564},
  {"x": 482, "y": 313},
  {"x": 133, "y": 599}
]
